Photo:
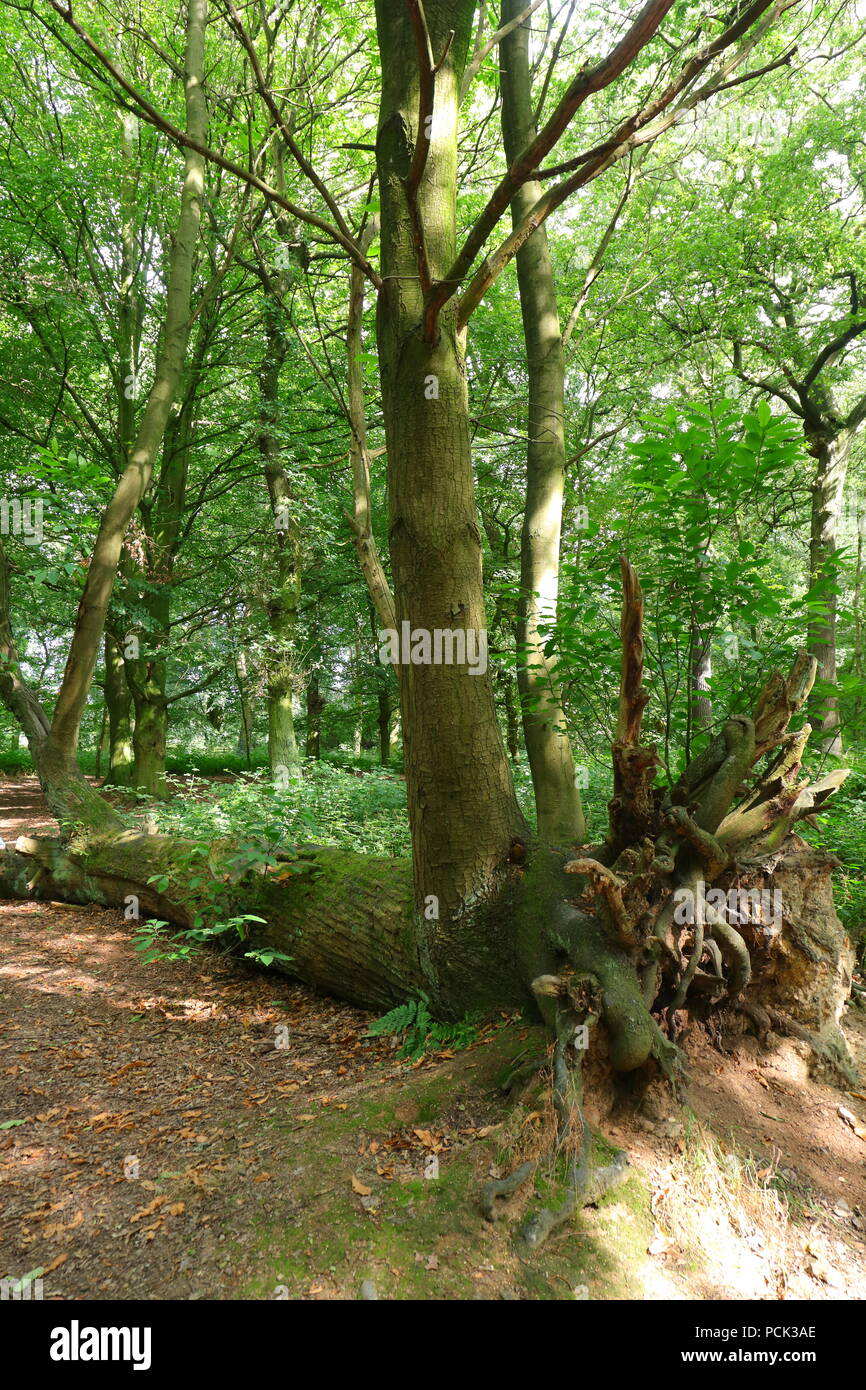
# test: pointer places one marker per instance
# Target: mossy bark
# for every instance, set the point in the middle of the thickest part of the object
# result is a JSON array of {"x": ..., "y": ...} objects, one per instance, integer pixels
[{"x": 462, "y": 806}]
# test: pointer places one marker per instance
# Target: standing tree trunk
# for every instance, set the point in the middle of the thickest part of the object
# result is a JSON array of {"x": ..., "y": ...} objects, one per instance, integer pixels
[
  {"x": 118, "y": 705},
  {"x": 857, "y": 660},
  {"x": 282, "y": 605},
  {"x": 701, "y": 674},
  {"x": 557, "y": 798},
  {"x": 462, "y": 807},
  {"x": 832, "y": 451},
  {"x": 127, "y": 313},
  {"x": 512, "y": 722},
  {"x": 245, "y": 735},
  {"x": 384, "y": 722},
  {"x": 67, "y": 793},
  {"x": 362, "y": 519},
  {"x": 315, "y": 700}
]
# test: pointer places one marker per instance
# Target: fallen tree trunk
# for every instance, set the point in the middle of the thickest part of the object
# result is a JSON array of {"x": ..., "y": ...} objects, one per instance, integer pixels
[
  {"x": 345, "y": 919},
  {"x": 351, "y": 927},
  {"x": 630, "y": 937}
]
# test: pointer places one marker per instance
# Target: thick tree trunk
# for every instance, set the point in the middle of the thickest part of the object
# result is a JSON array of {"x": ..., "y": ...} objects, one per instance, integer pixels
[
  {"x": 150, "y": 734},
  {"x": 462, "y": 807},
  {"x": 557, "y": 798},
  {"x": 147, "y": 673},
  {"x": 345, "y": 919}
]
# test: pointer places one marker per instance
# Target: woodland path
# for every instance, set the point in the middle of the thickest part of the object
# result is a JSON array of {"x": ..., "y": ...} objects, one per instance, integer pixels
[{"x": 161, "y": 1144}]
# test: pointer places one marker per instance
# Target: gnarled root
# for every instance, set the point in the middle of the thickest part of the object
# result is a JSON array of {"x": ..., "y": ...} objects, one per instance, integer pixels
[
  {"x": 582, "y": 1191},
  {"x": 503, "y": 1187},
  {"x": 585, "y": 1184}
]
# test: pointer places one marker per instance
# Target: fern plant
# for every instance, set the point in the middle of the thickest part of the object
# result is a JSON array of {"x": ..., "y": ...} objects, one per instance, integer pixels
[{"x": 420, "y": 1032}]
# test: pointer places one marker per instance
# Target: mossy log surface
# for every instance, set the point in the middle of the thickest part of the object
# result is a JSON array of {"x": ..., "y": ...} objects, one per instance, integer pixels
[{"x": 345, "y": 919}]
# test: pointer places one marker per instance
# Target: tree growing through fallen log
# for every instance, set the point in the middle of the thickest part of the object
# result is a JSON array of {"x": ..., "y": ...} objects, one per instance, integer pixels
[{"x": 488, "y": 916}]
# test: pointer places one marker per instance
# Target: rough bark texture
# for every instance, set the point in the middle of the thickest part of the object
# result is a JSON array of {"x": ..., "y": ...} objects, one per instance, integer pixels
[
  {"x": 345, "y": 919},
  {"x": 118, "y": 705},
  {"x": 462, "y": 806}
]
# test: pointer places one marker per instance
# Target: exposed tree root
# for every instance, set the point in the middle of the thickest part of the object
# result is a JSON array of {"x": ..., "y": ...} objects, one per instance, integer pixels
[
  {"x": 503, "y": 1187},
  {"x": 583, "y": 1189},
  {"x": 576, "y": 1010}
]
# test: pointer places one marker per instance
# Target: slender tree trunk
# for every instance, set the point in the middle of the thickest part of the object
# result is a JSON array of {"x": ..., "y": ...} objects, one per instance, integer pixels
[
  {"x": 700, "y": 674},
  {"x": 462, "y": 807},
  {"x": 118, "y": 705},
  {"x": 282, "y": 606},
  {"x": 147, "y": 673},
  {"x": 58, "y": 769},
  {"x": 163, "y": 529},
  {"x": 832, "y": 451},
  {"x": 127, "y": 307},
  {"x": 315, "y": 702},
  {"x": 245, "y": 736},
  {"x": 510, "y": 695},
  {"x": 362, "y": 519},
  {"x": 100, "y": 741},
  {"x": 858, "y": 621},
  {"x": 557, "y": 798},
  {"x": 384, "y": 722}
]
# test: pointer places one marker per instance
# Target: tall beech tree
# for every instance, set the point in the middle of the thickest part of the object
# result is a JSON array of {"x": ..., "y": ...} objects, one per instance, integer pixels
[{"x": 492, "y": 915}]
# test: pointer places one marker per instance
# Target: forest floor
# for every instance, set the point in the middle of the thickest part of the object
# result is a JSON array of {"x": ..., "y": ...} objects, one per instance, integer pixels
[{"x": 201, "y": 1130}]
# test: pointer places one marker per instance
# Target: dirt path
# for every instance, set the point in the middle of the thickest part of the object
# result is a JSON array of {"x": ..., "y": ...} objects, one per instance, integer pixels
[{"x": 198, "y": 1130}]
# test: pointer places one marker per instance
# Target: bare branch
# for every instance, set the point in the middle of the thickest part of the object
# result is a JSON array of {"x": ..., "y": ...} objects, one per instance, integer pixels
[
  {"x": 587, "y": 81},
  {"x": 277, "y": 117},
  {"x": 482, "y": 51},
  {"x": 426, "y": 103}
]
